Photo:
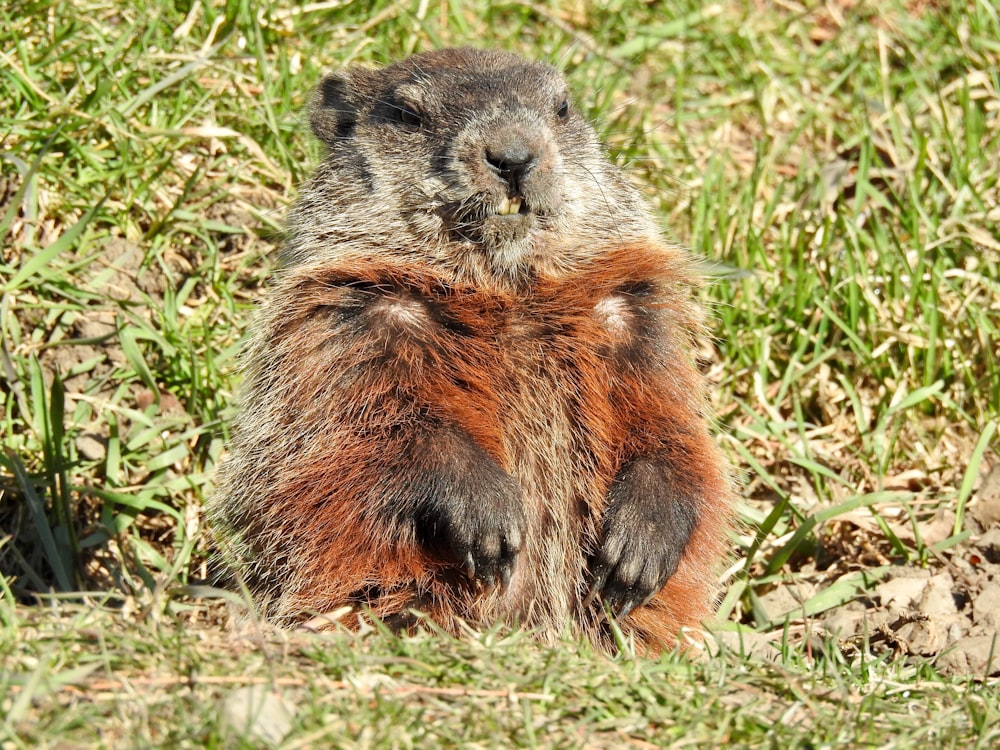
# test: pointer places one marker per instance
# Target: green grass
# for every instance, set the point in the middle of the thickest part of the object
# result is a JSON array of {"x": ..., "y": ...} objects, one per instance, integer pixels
[
  {"x": 96, "y": 681},
  {"x": 841, "y": 169}
]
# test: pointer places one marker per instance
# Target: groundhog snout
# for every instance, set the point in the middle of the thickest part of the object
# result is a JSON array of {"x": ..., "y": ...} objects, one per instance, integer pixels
[
  {"x": 515, "y": 158},
  {"x": 512, "y": 156}
]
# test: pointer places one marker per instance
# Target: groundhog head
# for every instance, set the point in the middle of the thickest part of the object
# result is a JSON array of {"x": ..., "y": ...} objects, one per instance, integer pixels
[{"x": 475, "y": 147}]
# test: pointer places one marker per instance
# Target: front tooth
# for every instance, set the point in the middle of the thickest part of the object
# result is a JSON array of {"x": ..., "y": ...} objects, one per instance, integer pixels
[{"x": 509, "y": 207}]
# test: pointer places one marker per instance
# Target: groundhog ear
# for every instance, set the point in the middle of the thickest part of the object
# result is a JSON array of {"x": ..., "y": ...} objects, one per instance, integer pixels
[{"x": 333, "y": 111}]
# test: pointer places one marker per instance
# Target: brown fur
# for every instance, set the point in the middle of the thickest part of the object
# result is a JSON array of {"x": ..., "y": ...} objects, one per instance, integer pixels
[{"x": 482, "y": 418}]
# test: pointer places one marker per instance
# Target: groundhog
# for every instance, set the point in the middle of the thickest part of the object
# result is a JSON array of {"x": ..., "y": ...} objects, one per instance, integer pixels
[{"x": 471, "y": 391}]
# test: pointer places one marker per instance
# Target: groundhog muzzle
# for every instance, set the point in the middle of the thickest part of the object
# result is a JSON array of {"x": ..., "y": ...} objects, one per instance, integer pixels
[{"x": 471, "y": 390}]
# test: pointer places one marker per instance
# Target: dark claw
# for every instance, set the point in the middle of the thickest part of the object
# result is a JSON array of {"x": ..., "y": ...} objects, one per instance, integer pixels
[
  {"x": 624, "y": 610},
  {"x": 505, "y": 574},
  {"x": 597, "y": 586}
]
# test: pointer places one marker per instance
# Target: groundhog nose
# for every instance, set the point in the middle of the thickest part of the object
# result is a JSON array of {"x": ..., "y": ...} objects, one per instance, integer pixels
[{"x": 511, "y": 157}]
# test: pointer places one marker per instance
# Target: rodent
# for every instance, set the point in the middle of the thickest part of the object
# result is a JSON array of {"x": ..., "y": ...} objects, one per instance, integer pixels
[{"x": 471, "y": 390}]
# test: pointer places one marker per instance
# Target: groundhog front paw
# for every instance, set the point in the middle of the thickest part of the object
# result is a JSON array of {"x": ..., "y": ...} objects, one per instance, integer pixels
[
  {"x": 647, "y": 525},
  {"x": 469, "y": 509}
]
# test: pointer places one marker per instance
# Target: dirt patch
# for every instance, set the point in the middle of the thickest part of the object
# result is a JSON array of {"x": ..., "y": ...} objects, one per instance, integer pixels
[
  {"x": 950, "y": 616},
  {"x": 945, "y": 611}
]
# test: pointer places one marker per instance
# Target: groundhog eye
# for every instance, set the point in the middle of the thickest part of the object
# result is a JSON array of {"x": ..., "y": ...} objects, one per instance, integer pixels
[
  {"x": 562, "y": 112},
  {"x": 408, "y": 116}
]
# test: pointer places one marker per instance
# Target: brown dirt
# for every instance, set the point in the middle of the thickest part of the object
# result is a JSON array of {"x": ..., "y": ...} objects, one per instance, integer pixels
[{"x": 946, "y": 611}]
